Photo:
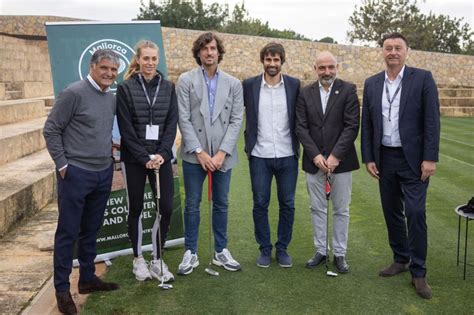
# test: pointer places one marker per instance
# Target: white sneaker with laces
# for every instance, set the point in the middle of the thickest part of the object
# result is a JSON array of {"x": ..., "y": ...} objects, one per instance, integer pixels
[
  {"x": 225, "y": 260},
  {"x": 190, "y": 261},
  {"x": 155, "y": 271},
  {"x": 140, "y": 269}
]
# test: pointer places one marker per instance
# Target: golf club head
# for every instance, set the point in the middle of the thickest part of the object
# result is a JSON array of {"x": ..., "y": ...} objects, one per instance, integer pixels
[
  {"x": 165, "y": 286},
  {"x": 330, "y": 273},
  {"x": 211, "y": 272}
]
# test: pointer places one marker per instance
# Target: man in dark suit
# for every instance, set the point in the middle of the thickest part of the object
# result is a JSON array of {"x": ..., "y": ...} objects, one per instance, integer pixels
[
  {"x": 327, "y": 123},
  {"x": 400, "y": 145},
  {"x": 272, "y": 149}
]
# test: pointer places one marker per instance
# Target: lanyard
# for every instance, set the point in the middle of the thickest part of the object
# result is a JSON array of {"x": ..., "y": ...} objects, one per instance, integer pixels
[
  {"x": 387, "y": 94},
  {"x": 150, "y": 104}
]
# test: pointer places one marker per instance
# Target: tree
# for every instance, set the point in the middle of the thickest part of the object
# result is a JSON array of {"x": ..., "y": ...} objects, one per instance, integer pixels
[
  {"x": 439, "y": 33},
  {"x": 185, "y": 14},
  {"x": 194, "y": 15},
  {"x": 328, "y": 40}
]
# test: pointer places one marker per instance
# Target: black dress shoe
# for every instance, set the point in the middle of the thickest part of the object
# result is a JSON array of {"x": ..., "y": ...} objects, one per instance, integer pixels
[
  {"x": 315, "y": 261},
  {"x": 65, "y": 303},
  {"x": 341, "y": 264},
  {"x": 96, "y": 285}
]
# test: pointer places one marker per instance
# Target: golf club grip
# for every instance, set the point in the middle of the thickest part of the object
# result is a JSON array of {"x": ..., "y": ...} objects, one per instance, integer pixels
[
  {"x": 209, "y": 185},
  {"x": 328, "y": 187}
]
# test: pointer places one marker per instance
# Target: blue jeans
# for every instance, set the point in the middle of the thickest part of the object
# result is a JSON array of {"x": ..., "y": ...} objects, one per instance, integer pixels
[
  {"x": 193, "y": 176},
  {"x": 262, "y": 171}
]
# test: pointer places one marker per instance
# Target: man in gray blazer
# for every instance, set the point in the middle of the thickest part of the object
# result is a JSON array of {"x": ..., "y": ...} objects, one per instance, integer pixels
[{"x": 210, "y": 106}]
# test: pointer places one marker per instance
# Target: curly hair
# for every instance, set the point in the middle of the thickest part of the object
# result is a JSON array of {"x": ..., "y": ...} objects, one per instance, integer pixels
[
  {"x": 205, "y": 39},
  {"x": 273, "y": 49}
]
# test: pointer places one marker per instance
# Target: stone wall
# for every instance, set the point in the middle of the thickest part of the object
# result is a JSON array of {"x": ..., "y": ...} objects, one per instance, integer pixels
[{"x": 355, "y": 63}]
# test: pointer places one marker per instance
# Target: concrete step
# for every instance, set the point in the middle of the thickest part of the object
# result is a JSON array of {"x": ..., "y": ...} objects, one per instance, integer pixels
[
  {"x": 20, "y": 139},
  {"x": 26, "y": 185},
  {"x": 14, "y": 111}
]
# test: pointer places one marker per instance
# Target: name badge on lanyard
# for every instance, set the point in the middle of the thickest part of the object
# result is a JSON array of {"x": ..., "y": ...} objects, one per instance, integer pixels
[{"x": 152, "y": 131}]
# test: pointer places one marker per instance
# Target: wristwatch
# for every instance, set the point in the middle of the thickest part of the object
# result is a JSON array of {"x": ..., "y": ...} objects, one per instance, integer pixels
[{"x": 198, "y": 150}]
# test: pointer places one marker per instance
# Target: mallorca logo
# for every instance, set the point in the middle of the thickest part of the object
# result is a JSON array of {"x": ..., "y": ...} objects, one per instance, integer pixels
[{"x": 124, "y": 52}]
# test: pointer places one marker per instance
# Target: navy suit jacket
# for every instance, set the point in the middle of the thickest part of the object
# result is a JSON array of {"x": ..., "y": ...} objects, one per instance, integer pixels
[
  {"x": 418, "y": 118},
  {"x": 251, "y": 88}
]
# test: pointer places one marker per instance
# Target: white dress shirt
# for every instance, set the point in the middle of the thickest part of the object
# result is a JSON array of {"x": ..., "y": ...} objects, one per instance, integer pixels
[
  {"x": 324, "y": 95},
  {"x": 391, "y": 134},
  {"x": 273, "y": 135}
]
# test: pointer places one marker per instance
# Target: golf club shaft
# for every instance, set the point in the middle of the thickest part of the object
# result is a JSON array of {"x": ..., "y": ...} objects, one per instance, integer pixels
[
  {"x": 158, "y": 196},
  {"x": 209, "y": 198},
  {"x": 328, "y": 194}
]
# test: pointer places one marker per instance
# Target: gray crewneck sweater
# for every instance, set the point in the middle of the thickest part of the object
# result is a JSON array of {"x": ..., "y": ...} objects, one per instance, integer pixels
[{"x": 78, "y": 130}]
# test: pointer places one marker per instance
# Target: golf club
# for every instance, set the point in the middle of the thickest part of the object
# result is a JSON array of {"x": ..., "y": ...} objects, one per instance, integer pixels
[
  {"x": 162, "y": 285},
  {"x": 329, "y": 273},
  {"x": 209, "y": 269}
]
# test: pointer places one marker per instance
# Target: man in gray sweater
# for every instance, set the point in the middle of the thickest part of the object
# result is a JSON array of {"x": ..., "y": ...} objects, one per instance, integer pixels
[{"x": 78, "y": 135}]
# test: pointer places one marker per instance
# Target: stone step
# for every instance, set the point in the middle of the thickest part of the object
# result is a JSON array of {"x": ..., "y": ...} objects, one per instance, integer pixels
[
  {"x": 456, "y": 101},
  {"x": 447, "y": 92},
  {"x": 26, "y": 185},
  {"x": 20, "y": 139},
  {"x": 13, "y": 95},
  {"x": 457, "y": 111},
  {"x": 14, "y": 111},
  {"x": 2, "y": 91}
]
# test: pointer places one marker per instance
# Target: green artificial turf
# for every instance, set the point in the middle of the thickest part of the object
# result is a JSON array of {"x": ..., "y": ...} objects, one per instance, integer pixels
[{"x": 298, "y": 290}]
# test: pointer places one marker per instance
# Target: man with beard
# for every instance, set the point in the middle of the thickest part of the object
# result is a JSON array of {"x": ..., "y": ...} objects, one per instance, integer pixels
[
  {"x": 327, "y": 123},
  {"x": 272, "y": 149}
]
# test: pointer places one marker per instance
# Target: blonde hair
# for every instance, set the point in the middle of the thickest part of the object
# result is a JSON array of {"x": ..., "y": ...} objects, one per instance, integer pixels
[{"x": 134, "y": 67}]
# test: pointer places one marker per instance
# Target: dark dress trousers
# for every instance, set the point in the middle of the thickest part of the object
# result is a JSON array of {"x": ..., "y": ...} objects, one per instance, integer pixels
[{"x": 403, "y": 194}]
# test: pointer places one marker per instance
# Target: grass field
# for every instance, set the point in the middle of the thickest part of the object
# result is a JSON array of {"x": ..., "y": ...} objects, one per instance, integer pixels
[{"x": 299, "y": 290}]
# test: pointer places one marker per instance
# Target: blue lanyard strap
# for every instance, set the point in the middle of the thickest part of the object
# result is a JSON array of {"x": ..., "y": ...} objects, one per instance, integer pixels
[{"x": 390, "y": 101}]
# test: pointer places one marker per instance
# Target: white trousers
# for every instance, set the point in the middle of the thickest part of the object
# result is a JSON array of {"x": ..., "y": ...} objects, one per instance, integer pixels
[{"x": 340, "y": 199}]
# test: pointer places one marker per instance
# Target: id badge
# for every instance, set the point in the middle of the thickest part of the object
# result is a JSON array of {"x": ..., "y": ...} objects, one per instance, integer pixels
[
  {"x": 152, "y": 132},
  {"x": 387, "y": 127}
]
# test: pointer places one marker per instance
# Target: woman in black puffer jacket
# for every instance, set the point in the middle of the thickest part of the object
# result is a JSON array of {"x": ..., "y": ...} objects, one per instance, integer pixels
[{"x": 147, "y": 115}]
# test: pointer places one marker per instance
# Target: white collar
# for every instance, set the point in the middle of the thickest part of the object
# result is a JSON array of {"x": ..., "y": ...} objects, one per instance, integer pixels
[{"x": 95, "y": 85}]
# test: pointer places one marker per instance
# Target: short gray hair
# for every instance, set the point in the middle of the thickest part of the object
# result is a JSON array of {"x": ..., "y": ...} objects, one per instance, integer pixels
[{"x": 100, "y": 54}]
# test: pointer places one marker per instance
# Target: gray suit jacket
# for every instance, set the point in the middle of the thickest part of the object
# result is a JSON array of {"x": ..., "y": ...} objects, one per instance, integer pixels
[{"x": 198, "y": 129}]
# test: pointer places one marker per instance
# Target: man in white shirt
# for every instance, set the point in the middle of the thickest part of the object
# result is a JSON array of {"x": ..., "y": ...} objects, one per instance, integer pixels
[{"x": 272, "y": 149}]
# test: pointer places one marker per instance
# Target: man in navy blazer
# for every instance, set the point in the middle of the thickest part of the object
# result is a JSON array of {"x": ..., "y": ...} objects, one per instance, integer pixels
[
  {"x": 272, "y": 149},
  {"x": 400, "y": 145}
]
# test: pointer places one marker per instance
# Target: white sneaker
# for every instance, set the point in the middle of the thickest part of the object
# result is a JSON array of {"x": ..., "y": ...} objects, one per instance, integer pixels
[
  {"x": 155, "y": 271},
  {"x": 225, "y": 260},
  {"x": 140, "y": 269},
  {"x": 190, "y": 261}
]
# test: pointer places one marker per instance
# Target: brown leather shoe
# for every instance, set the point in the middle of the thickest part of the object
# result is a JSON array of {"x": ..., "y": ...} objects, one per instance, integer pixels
[
  {"x": 394, "y": 269},
  {"x": 96, "y": 285},
  {"x": 65, "y": 303},
  {"x": 422, "y": 287}
]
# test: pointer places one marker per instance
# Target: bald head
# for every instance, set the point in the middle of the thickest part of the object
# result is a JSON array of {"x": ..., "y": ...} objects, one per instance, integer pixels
[{"x": 326, "y": 68}]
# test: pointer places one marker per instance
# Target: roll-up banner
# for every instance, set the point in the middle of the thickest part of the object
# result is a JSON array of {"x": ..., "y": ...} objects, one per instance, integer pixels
[{"x": 71, "y": 45}]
